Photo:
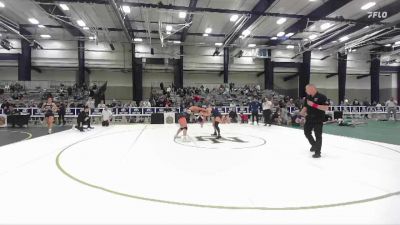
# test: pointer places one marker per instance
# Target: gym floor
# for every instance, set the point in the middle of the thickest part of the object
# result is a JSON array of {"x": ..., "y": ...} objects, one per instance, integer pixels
[
  {"x": 380, "y": 131},
  {"x": 140, "y": 174},
  {"x": 12, "y": 135}
]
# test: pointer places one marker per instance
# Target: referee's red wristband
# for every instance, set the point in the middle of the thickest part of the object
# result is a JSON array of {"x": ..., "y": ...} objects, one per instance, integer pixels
[{"x": 314, "y": 105}]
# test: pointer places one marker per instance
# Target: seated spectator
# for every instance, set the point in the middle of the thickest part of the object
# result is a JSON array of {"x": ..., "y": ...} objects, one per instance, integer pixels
[
  {"x": 299, "y": 121},
  {"x": 133, "y": 104},
  {"x": 101, "y": 105},
  {"x": 276, "y": 116},
  {"x": 244, "y": 118},
  {"x": 11, "y": 110},
  {"x": 233, "y": 116},
  {"x": 114, "y": 103},
  {"x": 90, "y": 103}
]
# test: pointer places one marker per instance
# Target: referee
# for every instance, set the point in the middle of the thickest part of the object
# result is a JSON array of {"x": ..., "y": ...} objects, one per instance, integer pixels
[{"x": 314, "y": 109}]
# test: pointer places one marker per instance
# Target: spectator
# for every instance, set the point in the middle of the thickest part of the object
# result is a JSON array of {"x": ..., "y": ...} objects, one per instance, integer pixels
[
  {"x": 290, "y": 103},
  {"x": 267, "y": 106},
  {"x": 233, "y": 115},
  {"x": 391, "y": 108},
  {"x": 101, "y": 105},
  {"x": 106, "y": 115},
  {"x": 244, "y": 118},
  {"x": 276, "y": 115},
  {"x": 162, "y": 86},
  {"x": 365, "y": 102},
  {"x": 254, "y": 107},
  {"x": 90, "y": 103},
  {"x": 61, "y": 114}
]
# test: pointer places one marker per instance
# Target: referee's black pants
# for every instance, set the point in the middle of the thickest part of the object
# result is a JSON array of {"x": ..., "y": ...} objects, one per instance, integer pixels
[
  {"x": 317, "y": 142},
  {"x": 267, "y": 116},
  {"x": 254, "y": 115},
  {"x": 81, "y": 122}
]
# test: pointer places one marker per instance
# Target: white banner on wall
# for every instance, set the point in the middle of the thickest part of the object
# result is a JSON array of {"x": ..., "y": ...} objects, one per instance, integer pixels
[
  {"x": 169, "y": 118},
  {"x": 3, "y": 121}
]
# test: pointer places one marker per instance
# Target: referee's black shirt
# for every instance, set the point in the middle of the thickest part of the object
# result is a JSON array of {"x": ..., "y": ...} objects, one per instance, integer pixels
[{"x": 316, "y": 115}]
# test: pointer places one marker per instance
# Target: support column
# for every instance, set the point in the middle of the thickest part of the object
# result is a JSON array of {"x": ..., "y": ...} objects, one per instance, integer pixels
[
  {"x": 81, "y": 63},
  {"x": 374, "y": 72},
  {"x": 178, "y": 75},
  {"x": 137, "y": 77},
  {"x": 398, "y": 87},
  {"x": 269, "y": 72},
  {"x": 226, "y": 65},
  {"x": 305, "y": 73},
  {"x": 342, "y": 73},
  {"x": 24, "y": 59}
]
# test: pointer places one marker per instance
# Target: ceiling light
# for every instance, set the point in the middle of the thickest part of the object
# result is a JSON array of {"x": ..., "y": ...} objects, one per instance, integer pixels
[
  {"x": 396, "y": 43},
  {"x": 208, "y": 30},
  {"x": 168, "y": 27},
  {"x": 280, "y": 34},
  {"x": 64, "y": 7},
  {"x": 312, "y": 36},
  {"x": 325, "y": 26},
  {"x": 252, "y": 45},
  {"x": 168, "y": 32},
  {"x": 182, "y": 15},
  {"x": 138, "y": 39},
  {"x": 205, "y": 35},
  {"x": 2, "y": 5},
  {"x": 305, "y": 39},
  {"x": 45, "y": 36},
  {"x": 126, "y": 9},
  {"x": 281, "y": 20},
  {"x": 41, "y": 26},
  {"x": 354, "y": 50},
  {"x": 289, "y": 34},
  {"x": 334, "y": 41},
  {"x": 312, "y": 27},
  {"x": 33, "y": 21},
  {"x": 388, "y": 45},
  {"x": 319, "y": 48},
  {"x": 1, "y": 34},
  {"x": 246, "y": 33},
  {"x": 368, "y": 5},
  {"x": 177, "y": 42},
  {"x": 290, "y": 47},
  {"x": 274, "y": 38},
  {"x": 234, "y": 18},
  {"x": 344, "y": 38},
  {"x": 86, "y": 28},
  {"x": 81, "y": 23},
  {"x": 92, "y": 37},
  {"x": 366, "y": 27},
  {"x": 241, "y": 36},
  {"x": 218, "y": 44}
]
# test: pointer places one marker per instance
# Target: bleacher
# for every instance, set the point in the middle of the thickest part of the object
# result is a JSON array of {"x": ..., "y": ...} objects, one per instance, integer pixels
[{"x": 226, "y": 99}]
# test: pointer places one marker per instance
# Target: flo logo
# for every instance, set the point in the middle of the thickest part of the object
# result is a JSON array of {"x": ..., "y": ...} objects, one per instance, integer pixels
[
  {"x": 221, "y": 140},
  {"x": 379, "y": 15},
  {"x": 227, "y": 141}
]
